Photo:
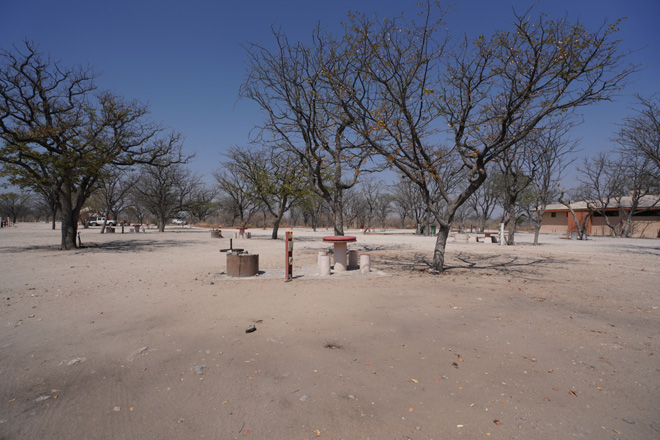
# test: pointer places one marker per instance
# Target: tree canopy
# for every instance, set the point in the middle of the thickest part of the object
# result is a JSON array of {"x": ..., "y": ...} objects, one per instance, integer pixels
[
  {"x": 60, "y": 133},
  {"x": 435, "y": 109}
]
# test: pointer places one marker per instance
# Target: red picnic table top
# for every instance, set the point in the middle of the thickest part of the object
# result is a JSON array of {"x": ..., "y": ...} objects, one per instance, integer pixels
[{"x": 339, "y": 239}]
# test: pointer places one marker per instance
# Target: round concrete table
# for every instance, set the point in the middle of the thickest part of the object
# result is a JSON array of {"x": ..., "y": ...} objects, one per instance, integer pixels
[{"x": 340, "y": 245}]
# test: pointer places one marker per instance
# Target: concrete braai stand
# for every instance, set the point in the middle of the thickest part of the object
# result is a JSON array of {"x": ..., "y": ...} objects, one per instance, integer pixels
[{"x": 340, "y": 245}]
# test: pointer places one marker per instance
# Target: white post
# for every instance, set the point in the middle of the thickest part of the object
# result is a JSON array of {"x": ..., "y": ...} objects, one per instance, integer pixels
[
  {"x": 365, "y": 264},
  {"x": 321, "y": 254},
  {"x": 324, "y": 265},
  {"x": 501, "y": 237}
]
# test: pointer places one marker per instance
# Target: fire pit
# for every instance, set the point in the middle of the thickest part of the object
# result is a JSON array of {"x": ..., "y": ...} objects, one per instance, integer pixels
[{"x": 242, "y": 265}]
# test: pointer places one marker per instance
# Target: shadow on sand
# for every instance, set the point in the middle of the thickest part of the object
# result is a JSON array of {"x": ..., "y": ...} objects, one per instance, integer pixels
[
  {"x": 120, "y": 246},
  {"x": 524, "y": 267}
]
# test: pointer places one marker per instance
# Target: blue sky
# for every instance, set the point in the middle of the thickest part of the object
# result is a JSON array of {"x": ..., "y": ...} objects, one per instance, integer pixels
[{"x": 186, "y": 60}]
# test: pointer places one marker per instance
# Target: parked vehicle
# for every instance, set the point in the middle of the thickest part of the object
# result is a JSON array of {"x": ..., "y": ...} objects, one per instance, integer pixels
[
  {"x": 178, "y": 221},
  {"x": 98, "y": 221}
]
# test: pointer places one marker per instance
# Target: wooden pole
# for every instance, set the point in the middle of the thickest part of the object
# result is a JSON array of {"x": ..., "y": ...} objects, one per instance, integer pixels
[{"x": 288, "y": 276}]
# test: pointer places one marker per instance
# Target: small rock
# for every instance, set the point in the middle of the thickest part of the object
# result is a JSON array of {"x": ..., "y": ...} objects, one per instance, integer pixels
[
  {"x": 199, "y": 369},
  {"x": 303, "y": 398},
  {"x": 251, "y": 329},
  {"x": 41, "y": 398},
  {"x": 142, "y": 350},
  {"x": 30, "y": 316},
  {"x": 76, "y": 361},
  {"x": 181, "y": 420},
  {"x": 208, "y": 351}
]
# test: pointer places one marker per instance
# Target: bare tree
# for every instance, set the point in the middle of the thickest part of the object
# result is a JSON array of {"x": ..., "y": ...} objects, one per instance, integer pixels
[
  {"x": 530, "y": 173},
  {"x": 46, "y": 203},
  {"x": 59, "y": 134},
  {"x": 640, "y": 133},
  {"x": 615, "y": 185},
  {"x": 370, "y": 193},
  {"x": 307, "y": 112},
  {"x": 203, "y": 203},
  {"x": 312, "y": 208},
  {"x": 166, "y": 191},
  {"x": 640, "y": 187},
  {"x": 602, "y": 185},
  {"x": 275, "y": 178},
  {"x": 483, "y": 202},
  {"x": 566, "y": 198},
  {"x": 113, "y": 191},
  {"x": 135, "y": 209},
  {"x": 491, "y": 93},
  {"x": 408, "y": 203},
  {"x": 15, "y": 205},
  {"x": 238, "y": 195},
  {"x": 517, "y": 169},
  {"x": 354, "y": 207},
  {"x": 553, "y": 155},
  {"x": 383, "y": 208}
]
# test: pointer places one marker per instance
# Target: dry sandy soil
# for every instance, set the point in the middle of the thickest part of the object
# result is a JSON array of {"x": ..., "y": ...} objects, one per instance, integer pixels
[{"x": 142, "y": 336}]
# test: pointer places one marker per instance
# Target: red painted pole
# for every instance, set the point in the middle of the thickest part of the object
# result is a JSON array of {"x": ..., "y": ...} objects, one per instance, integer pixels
[{"x": 288, "y": 276}]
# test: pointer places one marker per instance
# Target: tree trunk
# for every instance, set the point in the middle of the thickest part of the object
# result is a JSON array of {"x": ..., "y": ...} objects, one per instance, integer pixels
[
  {"x": 69, "y": 229},
  {"x": 627, "y": 228},
  {"x": 512, "y": 223},
  {"x": 583, "y": 228},
  {"x": 367, "y": 225},
  {"x": 338, "y": 219},
  {"x": 276, "y": 227},
  {"x": 53, "y": 210},
  {"x": 69, "y": 219},
  {"x": 440, "y": 247},
  {"x": 537, "y": 231},
  {"x": 627, "y": 219},
  {"x": 538, "y": 221},
  {"x": 613, "y": 228}
]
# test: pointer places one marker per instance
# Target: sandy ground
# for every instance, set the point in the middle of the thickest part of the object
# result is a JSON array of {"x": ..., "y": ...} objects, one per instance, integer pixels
[{"x": 142, "y": 336}]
